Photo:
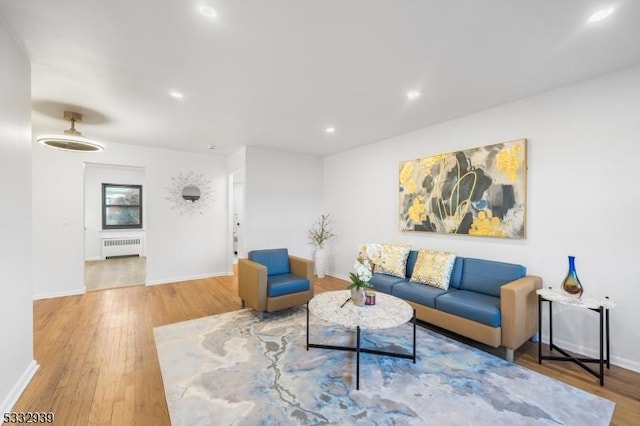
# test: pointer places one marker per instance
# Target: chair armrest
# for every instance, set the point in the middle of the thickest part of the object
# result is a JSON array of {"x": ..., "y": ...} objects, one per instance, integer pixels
[
  {"x": 252, "y": 284},
  {"x": 301, "y": 267},
  {"x": 519, "y": 310}
]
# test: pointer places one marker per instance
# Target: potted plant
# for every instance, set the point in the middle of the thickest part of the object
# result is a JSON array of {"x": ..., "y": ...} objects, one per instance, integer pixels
[
  {"x": 358, "y": 286},
  {"x": 319, "y": 233},
  {"x": 364, "y": 266}
]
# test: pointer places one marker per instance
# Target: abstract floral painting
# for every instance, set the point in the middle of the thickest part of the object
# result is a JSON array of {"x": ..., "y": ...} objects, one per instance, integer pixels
[{"x": 479, "y": 191}]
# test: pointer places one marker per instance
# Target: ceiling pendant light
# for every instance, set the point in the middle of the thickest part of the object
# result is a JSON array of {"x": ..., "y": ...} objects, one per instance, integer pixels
[{"x": 71, "y": 140}]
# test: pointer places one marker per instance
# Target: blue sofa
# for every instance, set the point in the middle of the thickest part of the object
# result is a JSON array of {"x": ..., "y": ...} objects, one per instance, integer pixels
[{"x": 491, "y": 302}]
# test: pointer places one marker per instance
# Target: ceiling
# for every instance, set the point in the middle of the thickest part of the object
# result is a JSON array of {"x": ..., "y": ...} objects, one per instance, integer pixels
[{"x": 277, "y": 73}]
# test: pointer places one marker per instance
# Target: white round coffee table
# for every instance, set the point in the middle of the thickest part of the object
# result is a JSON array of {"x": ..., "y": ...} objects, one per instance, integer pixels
[{"x": 335, "y": 307}]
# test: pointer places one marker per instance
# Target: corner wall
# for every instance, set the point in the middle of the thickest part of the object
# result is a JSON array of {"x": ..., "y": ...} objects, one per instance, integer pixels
[
  {"x": 582, "y": 198},
  {"x": 283, "y": 198},
  {"x": 17, "y": 365}
]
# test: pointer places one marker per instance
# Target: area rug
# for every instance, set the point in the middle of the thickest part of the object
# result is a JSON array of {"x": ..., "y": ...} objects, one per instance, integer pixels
[{"x": 232, "y": 369}]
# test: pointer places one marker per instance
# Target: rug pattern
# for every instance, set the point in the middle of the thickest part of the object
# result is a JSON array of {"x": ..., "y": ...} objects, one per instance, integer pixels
[{"x": 232, "y": 369}]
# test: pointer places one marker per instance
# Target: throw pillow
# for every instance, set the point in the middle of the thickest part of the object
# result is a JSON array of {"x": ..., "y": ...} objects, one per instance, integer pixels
[
  {"x": 433, "y": 268},
  {"x": 392, "y": 260}
]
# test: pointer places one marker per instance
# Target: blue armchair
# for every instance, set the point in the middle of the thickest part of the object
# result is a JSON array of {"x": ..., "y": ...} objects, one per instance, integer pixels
[{"x": 272, "y": 280}]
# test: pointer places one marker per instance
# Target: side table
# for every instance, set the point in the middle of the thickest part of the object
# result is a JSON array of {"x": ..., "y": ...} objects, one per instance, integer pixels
[{"x": 602, "y": 305}]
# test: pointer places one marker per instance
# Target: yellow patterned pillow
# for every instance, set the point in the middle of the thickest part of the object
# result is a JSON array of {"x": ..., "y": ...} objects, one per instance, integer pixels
[
  {"x": 392, "y": 260},
  {"x": 433, "y": 268}
]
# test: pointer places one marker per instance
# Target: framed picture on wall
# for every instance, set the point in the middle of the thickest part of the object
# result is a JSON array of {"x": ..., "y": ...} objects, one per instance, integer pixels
[
  {"x": 121, "y": 206},
  {"x": 478, "y": 191}
]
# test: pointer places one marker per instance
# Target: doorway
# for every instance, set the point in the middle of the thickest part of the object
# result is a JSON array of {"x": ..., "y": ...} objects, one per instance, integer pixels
[{"x": 114, "y": 256}]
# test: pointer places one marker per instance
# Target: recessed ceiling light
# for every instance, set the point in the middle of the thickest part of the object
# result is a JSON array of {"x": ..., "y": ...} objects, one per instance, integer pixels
[
  {"x": 601, "y": 14},
  {"x": 207, "y": 11},
  {"x": 414, "y": 94},
  {"x": 330, "y": 130},
  {"x": 176, "y": 95},
  {"x": 212, "y": 147}
]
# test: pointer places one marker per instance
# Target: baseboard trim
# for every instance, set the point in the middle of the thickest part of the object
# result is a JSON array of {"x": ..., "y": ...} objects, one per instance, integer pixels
[
  {"x": 59, "y": 294},
  {"x": 188, "y": 278},
  {"x": 338, "y": 276},
  {"x": 10, "y": 400}
]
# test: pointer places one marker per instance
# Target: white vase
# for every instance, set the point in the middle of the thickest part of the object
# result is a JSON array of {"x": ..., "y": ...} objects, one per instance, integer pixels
[{"x": 320, "y": 260}]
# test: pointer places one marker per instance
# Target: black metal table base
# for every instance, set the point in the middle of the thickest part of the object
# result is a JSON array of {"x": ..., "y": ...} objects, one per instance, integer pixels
[
  {"x": 580, "y": 361},
  {"x": 358, "y": 349}
]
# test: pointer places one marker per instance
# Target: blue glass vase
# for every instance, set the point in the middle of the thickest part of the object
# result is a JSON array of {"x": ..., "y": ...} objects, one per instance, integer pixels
[{"x": 571, "y": 284}]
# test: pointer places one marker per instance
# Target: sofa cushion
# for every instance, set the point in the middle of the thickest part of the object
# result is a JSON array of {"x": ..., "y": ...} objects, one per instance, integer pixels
[
  {"x": 418, "y": 293},
  {"x": 434, "y": 267},
  {"x": 392, "y": 260},
  {"x": 411, "y": 262},
  {"x": 456, "y": 272},
  {"x": 384, "y": 282},
  {"x": 487, "y": 276},
  {"x": 276, "y": 260},
  {"x": 279, "y": 285},
  {"x": 471, "y": 305}
]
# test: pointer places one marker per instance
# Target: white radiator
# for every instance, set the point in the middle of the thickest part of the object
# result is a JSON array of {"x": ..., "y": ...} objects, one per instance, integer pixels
[{"x": 121, "y": 246}]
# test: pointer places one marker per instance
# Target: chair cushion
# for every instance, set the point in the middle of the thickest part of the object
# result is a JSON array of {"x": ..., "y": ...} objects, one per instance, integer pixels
[
  {"x": 279, "y": 285},
  {"x": 471, "y": 305},
  {"x": 276, "y": 260},
  {"x": 384, "y": 282},
  {"x": 487, "y": 276},
  {"x": 418, "y": 293}
]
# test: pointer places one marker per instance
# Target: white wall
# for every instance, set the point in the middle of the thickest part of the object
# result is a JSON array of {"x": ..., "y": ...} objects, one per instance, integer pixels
[
  {"x": 583, "y": 150},
  {"x": 178, "y": 247},
  {"x": 283, "y": 198},
  {"x": 94, "y": 176},
  {"x": 17, "y": 365}
]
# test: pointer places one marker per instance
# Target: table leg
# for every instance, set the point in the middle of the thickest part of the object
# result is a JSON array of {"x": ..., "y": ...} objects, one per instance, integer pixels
[
  {"x": 414, "y": 336},
  {"x": 607, "y": 326},
  {"x": 601, "y": 312},
  {"x": 539, "y": 329},
  {"x": 358, "y": 358},
  {"x": 550, "y": 326}
]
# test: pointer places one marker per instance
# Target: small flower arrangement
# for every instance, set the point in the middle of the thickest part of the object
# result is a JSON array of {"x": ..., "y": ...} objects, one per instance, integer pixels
[
  {"x": 321, "y": 231},
  {"x": 364, "y": 266}
]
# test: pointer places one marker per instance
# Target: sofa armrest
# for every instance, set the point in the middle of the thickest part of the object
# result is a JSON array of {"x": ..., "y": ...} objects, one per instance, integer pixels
[
  {"x": 301, "y": 267},
  {"x": 519, "y": 310},
  {"x": 252, "y": 284}
]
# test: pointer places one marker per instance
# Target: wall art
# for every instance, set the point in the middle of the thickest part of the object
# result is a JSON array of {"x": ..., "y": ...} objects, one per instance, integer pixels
[
  {"x": 479, "y": 191},
  {"x": 190, "y": 193}
]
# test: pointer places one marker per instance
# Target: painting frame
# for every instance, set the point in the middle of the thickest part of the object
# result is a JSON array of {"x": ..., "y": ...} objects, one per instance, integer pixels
[{"x": 478, "y": 191}]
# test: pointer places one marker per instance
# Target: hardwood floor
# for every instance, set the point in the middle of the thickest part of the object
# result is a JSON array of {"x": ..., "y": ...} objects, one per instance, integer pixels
[{"x": 99, "y": 366}]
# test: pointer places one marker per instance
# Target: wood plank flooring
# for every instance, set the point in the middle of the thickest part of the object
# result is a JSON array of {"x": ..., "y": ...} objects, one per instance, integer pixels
[{"x": 99, "y": 366}]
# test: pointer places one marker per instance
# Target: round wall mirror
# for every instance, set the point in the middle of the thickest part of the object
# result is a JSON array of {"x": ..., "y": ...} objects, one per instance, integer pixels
[{"x": 191, "y": 193}]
